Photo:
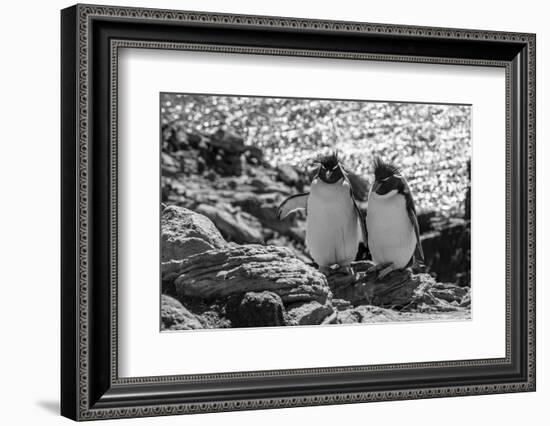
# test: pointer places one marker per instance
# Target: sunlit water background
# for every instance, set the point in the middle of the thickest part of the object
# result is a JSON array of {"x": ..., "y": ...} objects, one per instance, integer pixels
[{"x": 431, "y": 143}]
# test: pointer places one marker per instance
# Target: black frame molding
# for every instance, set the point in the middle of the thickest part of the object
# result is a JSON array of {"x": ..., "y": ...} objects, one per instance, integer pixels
[{"x": 90, "y": 38}]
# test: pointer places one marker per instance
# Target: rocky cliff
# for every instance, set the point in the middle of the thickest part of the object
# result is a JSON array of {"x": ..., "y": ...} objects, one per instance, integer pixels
[{"x": 211, "y": 283}]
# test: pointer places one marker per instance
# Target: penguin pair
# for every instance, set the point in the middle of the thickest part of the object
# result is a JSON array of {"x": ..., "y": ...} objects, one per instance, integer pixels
[{"x": 335, "y": 226}]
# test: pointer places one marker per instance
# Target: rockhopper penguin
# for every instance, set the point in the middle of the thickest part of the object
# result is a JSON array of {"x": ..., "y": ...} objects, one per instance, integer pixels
[
  {"x": 393, "y": 233},
  {"x": 334, "y": 223}
]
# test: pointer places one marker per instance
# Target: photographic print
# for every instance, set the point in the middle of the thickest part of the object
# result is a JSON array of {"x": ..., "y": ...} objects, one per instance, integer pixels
[
  {"x": 308, "y": 212},
  {"x": 215, "y": 195}
]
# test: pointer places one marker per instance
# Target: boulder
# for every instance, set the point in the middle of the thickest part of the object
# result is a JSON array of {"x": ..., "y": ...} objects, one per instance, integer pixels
[
  {"x": 170, "y": 165},
  {"x": 310, "y": 313},
  {"x": 366, "y": 314},
  {"x": 254, "y": 155},
  {"x": 185, "y": 233},
  {"x": 249, "y": 268},
  {"x": 263, "y": 185},
  {"x": 235, "y": 225},
  {"x": 190, "y": 163},
  {"x": 194, "y": 139},
  {"x": 401, "y": 289},
  {"x": 180, "y": 139},
  {"x": 259, "y": 310},
  {"x": 174, "y": 316},
  {"x": 174, "y": 137},
  {"x": 223, "y": 152},
  {"x": 264, "y": 208},
  {"x": 466, "y": 301},
  {"x": 438, "y": 297},
  {"x": 447, "y": 250},
  {"x": 228, "y": 140},
  {"x": 449, "y": 292},
  {"x": 341, "y": 304},
  {"x": 297, "y": 248},
  {"x": 288, "y": 174},
  {"x": 426, "y": 221}
]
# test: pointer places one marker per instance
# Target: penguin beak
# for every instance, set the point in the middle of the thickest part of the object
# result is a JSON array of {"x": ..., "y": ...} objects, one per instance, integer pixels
[{"x": 376, "y": 186}]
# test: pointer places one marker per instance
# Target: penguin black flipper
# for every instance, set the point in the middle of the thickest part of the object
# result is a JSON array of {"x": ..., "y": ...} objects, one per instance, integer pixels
[
  {"x": 411, "y": 211},
  {"x": 418, "y": 252},
  {"x": 292, "y": 204}
]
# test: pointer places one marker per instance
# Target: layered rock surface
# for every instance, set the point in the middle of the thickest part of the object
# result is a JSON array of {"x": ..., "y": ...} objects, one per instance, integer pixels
[
  {"x": 210, "y": 283},
  {"x": 249, "y": 268}
]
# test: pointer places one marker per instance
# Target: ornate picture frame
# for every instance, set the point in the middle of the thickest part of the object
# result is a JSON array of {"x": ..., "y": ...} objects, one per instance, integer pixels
[{"x": 91, "y": 37}]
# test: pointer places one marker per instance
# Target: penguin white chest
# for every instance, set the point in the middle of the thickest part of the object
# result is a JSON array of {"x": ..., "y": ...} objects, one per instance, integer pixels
[
  {"x": 333, "y": 230},
  {"x": 390, "y": 231}
]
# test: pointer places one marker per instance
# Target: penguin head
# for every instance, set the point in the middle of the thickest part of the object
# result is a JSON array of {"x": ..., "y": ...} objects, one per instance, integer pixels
[
  {"x": 387, "y": 179},
  {"x": 329, "y": 170}
]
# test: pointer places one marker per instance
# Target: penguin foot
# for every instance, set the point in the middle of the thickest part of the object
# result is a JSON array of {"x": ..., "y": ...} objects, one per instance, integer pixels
[
  {"x": 378, "y": 267},
  {"x": 337, "y": 269},
  {"x": 386, "y": 271},
  {"x": 346, "y": 270}
]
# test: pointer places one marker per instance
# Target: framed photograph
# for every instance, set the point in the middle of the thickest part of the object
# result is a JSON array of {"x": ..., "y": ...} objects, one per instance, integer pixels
[{"x": 263, "y": 212}]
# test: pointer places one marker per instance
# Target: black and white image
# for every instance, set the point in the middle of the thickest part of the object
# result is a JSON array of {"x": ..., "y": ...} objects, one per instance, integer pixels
[{"x": 298, "y": 212}]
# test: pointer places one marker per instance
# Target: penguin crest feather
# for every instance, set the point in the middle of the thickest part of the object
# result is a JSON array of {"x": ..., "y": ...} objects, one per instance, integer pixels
[
  {"x": 383, "y": 170},
  {"x": 328, "y": 161}
]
